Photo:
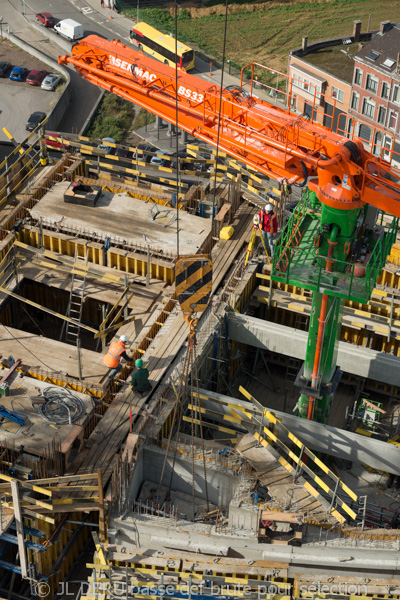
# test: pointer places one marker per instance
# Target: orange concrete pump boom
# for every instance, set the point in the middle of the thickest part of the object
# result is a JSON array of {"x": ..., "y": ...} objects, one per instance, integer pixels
[{"x": 280, "y": 144}]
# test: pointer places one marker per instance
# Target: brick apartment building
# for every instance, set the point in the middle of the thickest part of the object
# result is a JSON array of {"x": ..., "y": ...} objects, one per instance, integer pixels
[
  {"x": 376, "y": 92},
  {"x": 355, "y": 79}
]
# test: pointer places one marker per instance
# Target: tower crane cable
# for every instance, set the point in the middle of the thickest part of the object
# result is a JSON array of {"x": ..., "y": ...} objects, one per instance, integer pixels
[
  {"x": 176, "y": 132},
  {"x": 189, "y": 369},
  {"x": 219, "y": 123}
]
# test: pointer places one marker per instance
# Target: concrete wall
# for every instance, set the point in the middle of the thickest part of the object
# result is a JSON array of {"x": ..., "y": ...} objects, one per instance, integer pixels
[
  {"x": 357, "y": 360},
  {"x": 364, "y": 37},
  {"x": 323, "y": 438},
  {"x": 221, "y": 485}
]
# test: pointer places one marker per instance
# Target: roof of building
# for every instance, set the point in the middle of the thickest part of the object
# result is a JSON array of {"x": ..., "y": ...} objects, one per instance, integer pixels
[
  {"x": 381, "y": 52},
  {"x": 335, "y": 60}
]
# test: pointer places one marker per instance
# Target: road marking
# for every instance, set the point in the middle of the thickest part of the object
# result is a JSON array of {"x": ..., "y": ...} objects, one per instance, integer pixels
[{"x": 86, "y": 10}]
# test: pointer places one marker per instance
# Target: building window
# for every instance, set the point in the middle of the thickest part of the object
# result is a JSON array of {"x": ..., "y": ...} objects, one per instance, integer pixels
[
  {"x": 355, "y": 100},
  {"x": 307, "y": 85},
  {"x": 392, "y": 120},
  {"x": 381, "y": 115},
  {"x": 338, "y": 94},
  {"x": 385, "y": 90},
  {"x": 377, "y": 147},
  {"x": 372, "y": 84},
  {"x": 389, "y": 62},
  {"x": 368, "y": 108},
  {"x": 358, "y": 77},
  {"x": 373, "y": 55},
  {"x": 396, "y": 94}
]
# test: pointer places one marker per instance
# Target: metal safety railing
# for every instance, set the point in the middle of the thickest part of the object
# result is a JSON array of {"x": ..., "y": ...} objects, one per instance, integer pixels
[{"x": 298, "y": 262}]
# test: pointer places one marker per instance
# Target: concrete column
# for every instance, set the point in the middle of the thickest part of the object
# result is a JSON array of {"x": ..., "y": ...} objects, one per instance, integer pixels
[
  {"x": 159, "y": 121},
  {"x": 171, "y": 130},
  {"x": 184, "y": 137},
  {"x": 356, "y": 30}
]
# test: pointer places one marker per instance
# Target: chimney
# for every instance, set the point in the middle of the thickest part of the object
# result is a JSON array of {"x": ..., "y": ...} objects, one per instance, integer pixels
[
  {"x": 384, "y": 26},
  {"x": 304, "y": 43},
  {"x": 356, "y": 30},
  {"x": 360, "y": 47}
]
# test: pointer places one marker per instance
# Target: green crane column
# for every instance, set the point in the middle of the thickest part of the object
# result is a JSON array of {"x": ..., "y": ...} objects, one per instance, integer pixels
[
  {"x": 337, "y": 230},
  {"x": 333, "y": 324}
]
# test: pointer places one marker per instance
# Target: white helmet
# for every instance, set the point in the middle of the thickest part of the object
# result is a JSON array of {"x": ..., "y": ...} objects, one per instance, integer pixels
[
  {"x": 268, "y": 207},
  {"x": 123, "y": 338}
]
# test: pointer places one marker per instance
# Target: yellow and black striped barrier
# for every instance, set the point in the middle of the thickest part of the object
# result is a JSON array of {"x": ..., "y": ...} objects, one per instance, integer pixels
[
  {"x": 304, "y": 451},
  {"x": 193, "y": 282}
]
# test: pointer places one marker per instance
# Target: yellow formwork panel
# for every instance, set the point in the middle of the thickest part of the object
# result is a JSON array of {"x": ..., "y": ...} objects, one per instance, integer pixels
[{"x": 128, "y": 262}]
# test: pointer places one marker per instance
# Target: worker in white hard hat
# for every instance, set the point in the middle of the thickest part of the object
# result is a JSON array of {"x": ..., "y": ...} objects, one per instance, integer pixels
[
  {"x": 268, "y": 226},
  {"x": 116, "y": 351}
]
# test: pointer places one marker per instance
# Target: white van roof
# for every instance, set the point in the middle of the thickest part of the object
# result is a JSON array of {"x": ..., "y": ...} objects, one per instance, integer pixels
[{"x": 71, "y": 23}]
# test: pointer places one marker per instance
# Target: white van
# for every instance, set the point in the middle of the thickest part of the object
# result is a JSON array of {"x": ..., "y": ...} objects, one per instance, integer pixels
[{"x": 70, "y": 29}]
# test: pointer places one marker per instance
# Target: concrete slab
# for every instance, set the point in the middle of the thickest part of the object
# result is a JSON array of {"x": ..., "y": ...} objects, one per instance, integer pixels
[
  {"x": 128, "y": 218},
  {"x": 51, "y": 356},
  {"x": 37, "y": 434}
]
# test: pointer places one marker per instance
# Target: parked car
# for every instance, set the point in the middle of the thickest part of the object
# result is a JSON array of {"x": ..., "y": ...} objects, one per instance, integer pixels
[
  {"x": 123, "y": 153},
  {"x": 34, "y": 120},
  {"x": 144, "y": 148},
  {"x": 55, "y": 144},
  {"x": 5, "y": 69},
  {"x": 51, "y": 81},
  {"x": 36, "y": 76},
  {"x": 19, "y": 73},
  {"x": 46, "y": 19},
  {"x": 158, "y": 161},
  {"x": 182, "y": 154},
  {"x": 105, "y": 145}
]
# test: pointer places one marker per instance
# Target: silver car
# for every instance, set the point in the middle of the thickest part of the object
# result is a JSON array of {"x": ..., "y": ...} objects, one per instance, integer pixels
[{"x": 50, "y": 82}]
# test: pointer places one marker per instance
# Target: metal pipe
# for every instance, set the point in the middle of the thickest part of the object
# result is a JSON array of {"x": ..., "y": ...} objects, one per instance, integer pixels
[{"x": 322, "y": 321}]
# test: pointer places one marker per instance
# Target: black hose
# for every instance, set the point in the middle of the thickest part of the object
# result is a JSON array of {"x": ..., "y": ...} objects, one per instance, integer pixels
[
  {"x": 301, "y": 185},
  {"x": 354, "y": 151}
]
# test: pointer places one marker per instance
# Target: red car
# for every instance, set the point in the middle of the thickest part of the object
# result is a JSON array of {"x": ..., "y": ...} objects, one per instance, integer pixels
[
  {"x": 36, "y": 77},
  {"x": 46, "y": 19}
]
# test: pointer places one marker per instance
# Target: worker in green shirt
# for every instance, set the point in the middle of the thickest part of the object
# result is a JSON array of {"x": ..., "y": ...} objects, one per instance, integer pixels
[{"x": 140, "y": 378}]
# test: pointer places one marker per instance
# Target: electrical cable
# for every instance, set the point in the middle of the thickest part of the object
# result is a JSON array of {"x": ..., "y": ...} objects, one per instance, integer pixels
[
  {"x": 61, "y": 406},
  {"x": 219, "y": 123}
]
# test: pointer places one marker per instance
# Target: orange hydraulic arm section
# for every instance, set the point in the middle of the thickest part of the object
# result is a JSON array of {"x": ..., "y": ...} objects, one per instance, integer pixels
[{"x": 281, "y": 145}]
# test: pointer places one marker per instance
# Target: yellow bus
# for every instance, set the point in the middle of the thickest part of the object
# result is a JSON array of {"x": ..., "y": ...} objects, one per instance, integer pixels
[{"x": 161, "y": 46}]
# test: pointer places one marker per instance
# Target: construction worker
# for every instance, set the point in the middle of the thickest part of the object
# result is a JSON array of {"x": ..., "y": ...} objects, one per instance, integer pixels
[
  {"x": 116, "y": 351},
  {"x": 140, "y": 378},
  {"x": 268, "y": 227}
]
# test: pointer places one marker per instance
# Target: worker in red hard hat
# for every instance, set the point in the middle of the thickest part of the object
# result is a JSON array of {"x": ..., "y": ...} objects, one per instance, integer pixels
[
  {"x": 116, "y": 351},
  {"x": 268, "y": 227}
]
